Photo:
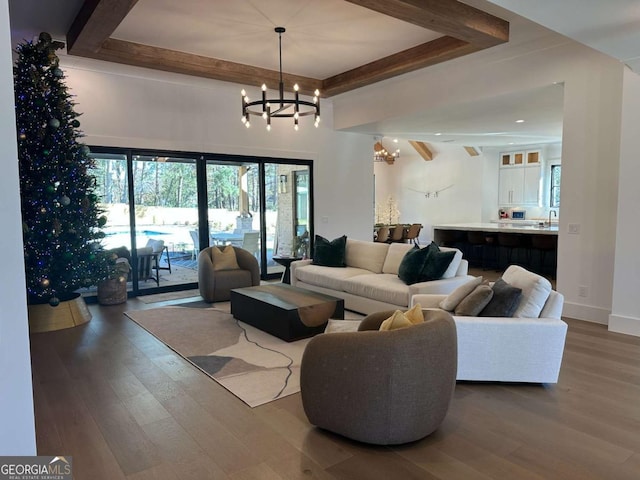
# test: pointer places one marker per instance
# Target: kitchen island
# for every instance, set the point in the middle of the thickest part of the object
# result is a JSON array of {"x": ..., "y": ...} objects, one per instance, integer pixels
[{"x": 500, "y": 244}]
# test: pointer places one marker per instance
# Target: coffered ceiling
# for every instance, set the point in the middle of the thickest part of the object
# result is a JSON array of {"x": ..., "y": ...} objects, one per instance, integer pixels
[
  {"x": 338, "y": 45},
  {"x": 333, "y": 45}
]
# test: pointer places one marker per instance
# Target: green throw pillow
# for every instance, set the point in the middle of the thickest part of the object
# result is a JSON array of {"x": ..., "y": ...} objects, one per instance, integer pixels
[
  {"x": 412, "y": 264},
  {"x": 330, "y": 253},
  {"x": 504, "y": 302},
  {"x": 436, "y": 263}
]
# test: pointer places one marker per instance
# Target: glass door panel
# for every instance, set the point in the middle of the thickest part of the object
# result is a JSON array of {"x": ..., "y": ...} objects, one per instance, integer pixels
[
  {"x": 287, "y": 208},
  {"x": 233, "y": 210},
  {"x": 112, "y": 189},
  {"x": 166, "y": 215}
]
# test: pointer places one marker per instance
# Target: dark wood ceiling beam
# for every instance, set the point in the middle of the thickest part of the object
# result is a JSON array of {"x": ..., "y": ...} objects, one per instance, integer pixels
[
  {"x": 136, "y": 54},
  {"x": 95, "y": 22},
  {"x": 449, "y": 17},
  {"x": 430, "y": 53}
]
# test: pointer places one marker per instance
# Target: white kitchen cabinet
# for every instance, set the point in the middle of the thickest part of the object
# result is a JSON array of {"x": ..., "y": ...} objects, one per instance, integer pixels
[
  {"x": 519, "y": 185},
  {"x": 531, "y": 185}
]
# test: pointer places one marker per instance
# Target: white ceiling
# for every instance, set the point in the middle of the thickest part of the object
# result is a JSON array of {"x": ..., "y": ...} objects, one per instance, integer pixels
[
  {"x": 609, "y": 26},
  {"x": 331, "y": 36},
  {"x": 322, "y": 38}
]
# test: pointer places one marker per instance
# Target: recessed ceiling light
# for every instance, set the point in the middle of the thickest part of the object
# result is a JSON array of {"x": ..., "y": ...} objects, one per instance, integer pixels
[
  {"x": 520, "y": 121},
  {"x": 395, "y": 140},
  {"x": 438, "y": 134}
]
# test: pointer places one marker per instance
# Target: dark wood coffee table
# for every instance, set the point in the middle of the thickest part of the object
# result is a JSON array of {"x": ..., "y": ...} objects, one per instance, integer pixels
[{"x": 286, "y": 312}]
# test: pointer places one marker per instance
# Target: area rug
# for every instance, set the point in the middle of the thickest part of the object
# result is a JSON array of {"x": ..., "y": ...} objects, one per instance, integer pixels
[
  {"x": 253, "y": 365},
  {"x": 163, "y": 297}
]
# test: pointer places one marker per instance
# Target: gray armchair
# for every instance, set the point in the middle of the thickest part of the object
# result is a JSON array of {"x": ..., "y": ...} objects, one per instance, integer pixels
[
  {"x": 384, "y": 388},
  {"x": 215, "y": 286}
]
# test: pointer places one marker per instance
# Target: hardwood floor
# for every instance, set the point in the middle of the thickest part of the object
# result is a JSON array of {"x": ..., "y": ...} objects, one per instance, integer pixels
[{"x": 126, "y": 406}]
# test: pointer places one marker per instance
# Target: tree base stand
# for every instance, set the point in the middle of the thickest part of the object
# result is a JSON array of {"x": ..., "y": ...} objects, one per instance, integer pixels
[{"x": 70, "y": 313}]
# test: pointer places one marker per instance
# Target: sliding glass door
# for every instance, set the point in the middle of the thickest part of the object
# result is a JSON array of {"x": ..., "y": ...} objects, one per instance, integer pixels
[
  {"x": 233, "y": 201},
  {"x": 162, "y": 208},
  {"x": 165, "y": 196}
]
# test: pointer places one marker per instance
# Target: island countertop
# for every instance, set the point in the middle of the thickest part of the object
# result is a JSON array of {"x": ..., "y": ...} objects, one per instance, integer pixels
[{"x": 500, "y": 227}]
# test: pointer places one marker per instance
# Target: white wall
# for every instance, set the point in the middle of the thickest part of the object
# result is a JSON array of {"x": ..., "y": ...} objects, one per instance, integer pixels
[
  {"x": 17, "y": 427},
  {"x": 625, "y": 315},
  {"x": 410, "y": 177},
  {"x": 590, "y": 150},
  {"x": 133, "y": 107}
]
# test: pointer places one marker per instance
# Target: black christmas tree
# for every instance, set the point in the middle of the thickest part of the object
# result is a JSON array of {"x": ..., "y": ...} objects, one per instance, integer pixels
[{"x": 61, "y": 219}]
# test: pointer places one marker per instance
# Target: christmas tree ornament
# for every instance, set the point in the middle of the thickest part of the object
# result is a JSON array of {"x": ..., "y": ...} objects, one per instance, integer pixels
[
  {"x": 54, "y": 301},
  {"x": 44, "y": 282},
  {"x": 58, "y": 72},
  {"x": 65, "y": 201},
  {"x": 22, "y": 136},
  {"x": 54, "y": 123},
  {"x": 75, "y": 123}
]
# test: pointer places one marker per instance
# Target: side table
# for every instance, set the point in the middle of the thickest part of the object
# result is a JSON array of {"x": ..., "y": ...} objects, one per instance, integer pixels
[{"x": 286, "y": 263}]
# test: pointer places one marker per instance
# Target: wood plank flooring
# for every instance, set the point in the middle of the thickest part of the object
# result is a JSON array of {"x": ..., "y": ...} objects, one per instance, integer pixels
[{"x": 127, "y": 407}]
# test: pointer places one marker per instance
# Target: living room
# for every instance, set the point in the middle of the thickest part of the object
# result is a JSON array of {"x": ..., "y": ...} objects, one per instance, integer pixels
[{"x": 139, "y": 108}]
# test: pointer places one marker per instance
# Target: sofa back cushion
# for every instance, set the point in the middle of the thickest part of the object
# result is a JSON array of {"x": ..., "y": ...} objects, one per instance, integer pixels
[
  {"x": 535, "y": 290},
  {"x": 395, "y": 254},
  {"x": 367, "y": 255},
  {"x": 451, "y": 270}
]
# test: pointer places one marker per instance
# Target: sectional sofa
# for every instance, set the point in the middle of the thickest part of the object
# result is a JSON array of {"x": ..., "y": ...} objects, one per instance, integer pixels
[{"x": 369, "y": 283}]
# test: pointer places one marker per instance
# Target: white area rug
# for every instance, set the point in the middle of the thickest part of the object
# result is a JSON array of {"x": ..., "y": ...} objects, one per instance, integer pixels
[{"x": 253, "y": 365}]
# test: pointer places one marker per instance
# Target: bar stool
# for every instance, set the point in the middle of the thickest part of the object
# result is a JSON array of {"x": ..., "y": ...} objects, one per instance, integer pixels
[
  {"x": 476, "y": 241},
  {"x": 511, "y": 242},
  {"x": 490, "y": 250},
  {"x": 451, "y": 238},
  {"x": 544, "y": 244}
]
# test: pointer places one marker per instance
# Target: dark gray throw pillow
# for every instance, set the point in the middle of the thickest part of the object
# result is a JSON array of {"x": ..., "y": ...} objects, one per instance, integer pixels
[
  {"x": 504, "y": 302},
  {"x": 436, "y": 263},
  {"x": 330, "y": 253},
  {"x": 412, "y": 264}
]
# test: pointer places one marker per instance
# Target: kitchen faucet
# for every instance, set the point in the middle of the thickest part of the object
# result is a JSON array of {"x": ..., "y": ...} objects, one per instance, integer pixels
[{"x": 555, "y": 214}]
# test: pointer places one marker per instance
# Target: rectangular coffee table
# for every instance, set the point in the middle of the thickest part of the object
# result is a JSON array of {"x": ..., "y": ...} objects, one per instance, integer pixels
[{"x": 287, "y": 312}]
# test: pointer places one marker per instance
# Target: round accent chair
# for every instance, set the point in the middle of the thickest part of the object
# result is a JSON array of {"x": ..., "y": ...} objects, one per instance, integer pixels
[
  {"x": 215, "y": 285},
  {"x": 381, "y": 387}
]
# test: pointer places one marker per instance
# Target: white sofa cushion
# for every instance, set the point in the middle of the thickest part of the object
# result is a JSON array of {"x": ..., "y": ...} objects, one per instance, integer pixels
[
  {"x": 328, "y": 277},
  {"x": 395, "y": 254},
  {"x": 366, "y": 255},
  {"x": 454, "y": 298},
  {"x": 535, "y": 290},
  {"x": 384, "y": 287},
  {"x": 451, "y": 270}
]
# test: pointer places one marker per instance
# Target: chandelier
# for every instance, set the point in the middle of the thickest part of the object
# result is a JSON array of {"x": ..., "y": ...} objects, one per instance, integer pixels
[
  {"x": 380, "y": 154},
  {"x": 280, "y": 107}
]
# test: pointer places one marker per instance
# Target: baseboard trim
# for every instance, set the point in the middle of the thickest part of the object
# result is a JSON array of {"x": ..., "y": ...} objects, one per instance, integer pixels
[
  {"x": 628, "y": 325},
  {"x": 586, "y": 313}
]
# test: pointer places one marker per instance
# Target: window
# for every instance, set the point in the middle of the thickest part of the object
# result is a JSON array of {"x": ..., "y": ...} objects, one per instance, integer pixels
[{"x": 555, "y": 186}]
